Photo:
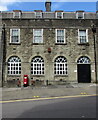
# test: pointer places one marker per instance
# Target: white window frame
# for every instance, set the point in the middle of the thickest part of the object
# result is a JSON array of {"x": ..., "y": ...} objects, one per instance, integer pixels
[
  {"x": 77, "y": 15},
  {"x": 14, "y": 15},
  {"x": 56, "y": 36},
  {"x": 83, "y": 60},
  {"x": 36, "y": 14},
  {"x": 86, "y": 36},
  {"x": 61, "y": 68},
  {"x": 36, "y": 65},
  {"x": 34, "y": 35},
  {"x": 11, "y": 35},
  {"x": 61, "y": 15},
  {"x": 14, "y": 68}
]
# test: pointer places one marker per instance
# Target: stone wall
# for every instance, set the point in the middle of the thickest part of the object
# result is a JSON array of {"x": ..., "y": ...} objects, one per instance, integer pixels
[{"x": 26, "y": 50}]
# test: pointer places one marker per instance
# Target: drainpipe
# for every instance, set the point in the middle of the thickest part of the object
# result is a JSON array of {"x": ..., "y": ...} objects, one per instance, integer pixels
[
  {"x": 2, "y": 50},
  {"x": 95, "y": 55}
]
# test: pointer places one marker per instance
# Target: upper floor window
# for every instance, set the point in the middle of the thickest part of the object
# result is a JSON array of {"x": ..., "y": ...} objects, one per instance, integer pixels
[
  {"x": 80, "y": 15},
  {"x": 38, "y": 14},
  {"x": 60, "y": 35},
  {"x": 16, "y": 14},
  {"x": 14, "y": 35},
  {"x": 59, "y": 14},
  {"x": 83, "y": 36},
  {"x": 37, "y": 35}
]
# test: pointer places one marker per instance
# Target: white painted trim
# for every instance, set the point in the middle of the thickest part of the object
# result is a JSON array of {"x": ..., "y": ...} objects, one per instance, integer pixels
[
  {"x": 17, "y": 12},
  {"x": 56, "y": 35},
  {"x": 11, "y": 35},
  {"x": 78, "y": 14},
  {"x": 86, "y": 35},
  {"x": 33, "y": 35},
  {"x": 61, "y": 15},
  {"x": 38, "y": 12}
]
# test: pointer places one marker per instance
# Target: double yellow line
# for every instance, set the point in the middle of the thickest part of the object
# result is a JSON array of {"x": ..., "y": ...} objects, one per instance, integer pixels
[{"x": 49, "y": 98}]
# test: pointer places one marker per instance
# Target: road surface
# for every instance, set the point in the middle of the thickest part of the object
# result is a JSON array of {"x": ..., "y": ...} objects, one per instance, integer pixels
[{"x": 75, "y": 107}]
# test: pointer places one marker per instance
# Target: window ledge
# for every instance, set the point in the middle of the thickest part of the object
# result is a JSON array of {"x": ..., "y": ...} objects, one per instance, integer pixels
[
  {"x": 60, "y": 43},
  {"x": 14, "y": 75},
  {"x": 37, "y": 75},
  {"x": 14, "y": 43},
  {"x": 87, "y": 44},
  {"x": 37, "y": 43},
  {"x": 60, "y": 75}
]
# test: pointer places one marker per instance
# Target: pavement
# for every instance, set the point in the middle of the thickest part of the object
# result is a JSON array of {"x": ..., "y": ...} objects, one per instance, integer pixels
[{"x": 48, "y": 91}]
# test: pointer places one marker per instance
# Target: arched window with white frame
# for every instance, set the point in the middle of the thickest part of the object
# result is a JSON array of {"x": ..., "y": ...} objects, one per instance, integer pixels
[
  {"x": 60, "y": 66},
  {"x": 37, "y": 66},
  {"x": 83, "y": 60},
  {"x": 14, "y": 65}
]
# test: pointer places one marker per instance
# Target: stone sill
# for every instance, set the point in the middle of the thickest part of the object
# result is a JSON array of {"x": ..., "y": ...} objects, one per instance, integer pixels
[
  {"x": 14, "y": 43},
  {"x": 60, "y": 75},
  {"x": 13, "y": 75},
  {"x": 86, "y": 44},
  {"x": 60, "y": 43},
  {"x": 37, "y": 43},
  {"x": 37, "y": 76}
]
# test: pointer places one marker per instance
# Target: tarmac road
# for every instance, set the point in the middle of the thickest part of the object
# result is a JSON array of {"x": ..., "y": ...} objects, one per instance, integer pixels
[{"x": 74, "y": 107}]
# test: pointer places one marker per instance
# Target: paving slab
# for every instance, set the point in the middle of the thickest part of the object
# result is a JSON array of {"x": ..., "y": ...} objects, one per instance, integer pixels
[{"x": 48, "y": 91}]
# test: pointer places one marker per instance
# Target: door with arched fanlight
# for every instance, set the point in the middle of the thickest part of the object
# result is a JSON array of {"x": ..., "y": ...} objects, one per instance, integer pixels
[{"x": 84, "y": 70}]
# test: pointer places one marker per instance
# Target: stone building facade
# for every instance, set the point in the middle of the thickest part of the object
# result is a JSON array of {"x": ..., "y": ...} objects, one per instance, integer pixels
[{"x": 55, "y": 46}]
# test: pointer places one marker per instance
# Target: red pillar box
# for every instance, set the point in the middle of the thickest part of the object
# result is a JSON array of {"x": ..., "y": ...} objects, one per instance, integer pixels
[{"x": 25, "y": 81}]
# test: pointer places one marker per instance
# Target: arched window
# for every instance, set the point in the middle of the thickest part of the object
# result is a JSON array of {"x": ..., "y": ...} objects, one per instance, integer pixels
[
  {"x": 83, "y": 60},
  {"x": 60, "y": 66},
  {"x": 14, "y": 65},
  {"x": 37, "y": 66}
]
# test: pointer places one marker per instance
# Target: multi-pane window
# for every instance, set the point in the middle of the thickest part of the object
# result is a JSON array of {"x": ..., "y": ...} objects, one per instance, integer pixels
[
  {"x": 60, "y": 35},
  {"x": 37, "y": 66},
  {"x": 16, "y": 14},
  {"x": 38, "y": 14},
  {"x": 14, "y": 66},
  {"x": 59, "y": 14},
  {"x": 37, "y": 35},
  {"x": 80, "y": 15},
  {"x": 60, "y": 66},
  {"x": 83, "y": 36},
  {"x": 14, "y": 35},
  {"x": 83, "y": 60}
]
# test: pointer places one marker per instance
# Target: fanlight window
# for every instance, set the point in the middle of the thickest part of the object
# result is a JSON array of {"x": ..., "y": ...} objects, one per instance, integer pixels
[
  {"x": 60, "y": 66},
  {"x": 83, "y": 60},
  {"x": 14, "y": 65},
  {"x": 37, "y": 66}
]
